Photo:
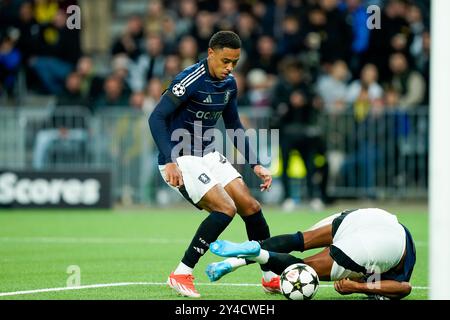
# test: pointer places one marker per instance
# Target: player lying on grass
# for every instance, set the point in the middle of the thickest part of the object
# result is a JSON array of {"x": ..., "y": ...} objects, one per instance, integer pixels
[{"x": 366, "y": 251}]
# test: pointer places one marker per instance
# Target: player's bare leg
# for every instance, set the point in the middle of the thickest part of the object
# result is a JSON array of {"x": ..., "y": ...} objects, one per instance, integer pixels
[
  {"x": 217, "y": 199},
  {"x": 321, "y": 263},
  {"x": 257, "y": 229},
  {"x": 318, "y": 238},
  {"x": 222, "y": 210},
  {"x": 246, "y": 204}
]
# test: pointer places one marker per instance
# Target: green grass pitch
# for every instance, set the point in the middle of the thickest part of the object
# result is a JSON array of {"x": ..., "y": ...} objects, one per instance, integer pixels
[{"x": 131, "y": 253}]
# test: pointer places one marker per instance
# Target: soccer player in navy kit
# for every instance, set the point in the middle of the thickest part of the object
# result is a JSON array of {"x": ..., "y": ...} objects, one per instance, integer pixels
[{"x": 192, "y": 104}]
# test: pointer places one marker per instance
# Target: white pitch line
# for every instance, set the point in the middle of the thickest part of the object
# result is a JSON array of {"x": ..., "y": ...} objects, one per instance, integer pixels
[
  {"x": 92, "y": 286},
  {"x": 122, "y": 284}
]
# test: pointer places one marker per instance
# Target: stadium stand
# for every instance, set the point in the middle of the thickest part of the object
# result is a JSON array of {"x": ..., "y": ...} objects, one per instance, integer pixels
[{"x": 127, "y": 51}]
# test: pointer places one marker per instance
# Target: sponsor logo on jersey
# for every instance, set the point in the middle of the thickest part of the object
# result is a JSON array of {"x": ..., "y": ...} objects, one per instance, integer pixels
[
  {"x": 208, "y": 115},
  {"x": 226, "y": 97}
]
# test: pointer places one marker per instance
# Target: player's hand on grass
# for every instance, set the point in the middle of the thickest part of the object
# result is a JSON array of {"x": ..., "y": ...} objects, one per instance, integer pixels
[
  {"x": 345, "y": 286},
  {"x": 173, "y": 175},
  {"x": 265, "y": 175}
]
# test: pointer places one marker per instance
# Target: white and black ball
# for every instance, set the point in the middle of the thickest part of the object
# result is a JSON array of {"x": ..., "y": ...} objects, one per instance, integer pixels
[{"x": 299, "y": 282}]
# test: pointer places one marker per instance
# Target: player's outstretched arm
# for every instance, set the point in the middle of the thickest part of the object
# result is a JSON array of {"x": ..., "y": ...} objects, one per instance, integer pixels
[
  {"x": 265, "y": 175},
  {"x": 388, "y": 288}
]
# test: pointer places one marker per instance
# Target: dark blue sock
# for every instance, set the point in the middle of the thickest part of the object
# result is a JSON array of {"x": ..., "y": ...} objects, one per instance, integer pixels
[
  {"x": 257, "y": 228},
  {"x": 208, "y": 231},
  {"x": 278, "y": 262},
  {"x": 285, "y": 243}
]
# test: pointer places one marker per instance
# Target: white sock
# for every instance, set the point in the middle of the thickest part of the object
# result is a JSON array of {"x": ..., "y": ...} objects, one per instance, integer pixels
[
  {"x": 183, "y": 269},
  {"x": 268, "y": 275},
  {"x": 262, "y": 258},
  {"x": 236, "y": 262}
]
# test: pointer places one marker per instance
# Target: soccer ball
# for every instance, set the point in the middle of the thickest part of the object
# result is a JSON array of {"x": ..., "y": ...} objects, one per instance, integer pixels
[{"x": 299, "y": 282}]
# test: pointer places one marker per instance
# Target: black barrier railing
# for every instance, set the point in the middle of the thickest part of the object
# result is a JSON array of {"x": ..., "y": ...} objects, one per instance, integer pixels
[{"x": 379, "y": 155}]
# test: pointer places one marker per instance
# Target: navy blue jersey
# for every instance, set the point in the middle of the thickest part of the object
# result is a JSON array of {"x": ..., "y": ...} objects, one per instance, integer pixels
[{"x": 195, "y": 101}]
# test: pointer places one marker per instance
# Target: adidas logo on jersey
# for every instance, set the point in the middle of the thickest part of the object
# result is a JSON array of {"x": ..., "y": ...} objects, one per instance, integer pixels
[{"x": 208, "y": 99}]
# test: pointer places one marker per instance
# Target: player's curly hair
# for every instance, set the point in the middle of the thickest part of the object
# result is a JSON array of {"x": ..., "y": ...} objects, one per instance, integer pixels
[{"x": 225, "y": 39}]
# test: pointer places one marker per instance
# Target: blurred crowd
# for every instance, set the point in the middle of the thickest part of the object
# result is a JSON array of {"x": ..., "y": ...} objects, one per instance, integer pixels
[
  {"x": 300, "y": 58},
  {"x": 339, "y": 59}
]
